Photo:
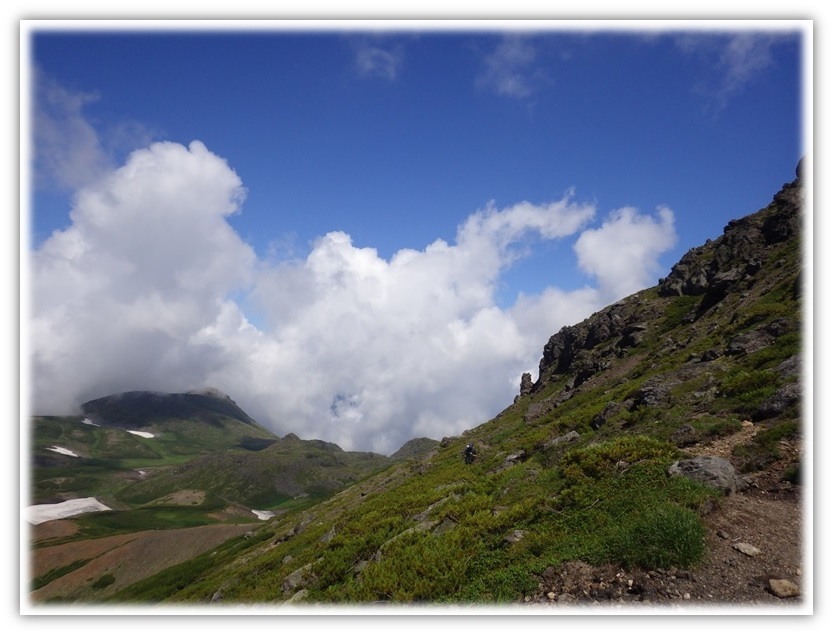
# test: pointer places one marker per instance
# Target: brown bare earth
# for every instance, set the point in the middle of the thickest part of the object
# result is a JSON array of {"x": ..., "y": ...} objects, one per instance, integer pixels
[
  {"x": 127, "y": 557},
  {"x": 768, "y": 516}
]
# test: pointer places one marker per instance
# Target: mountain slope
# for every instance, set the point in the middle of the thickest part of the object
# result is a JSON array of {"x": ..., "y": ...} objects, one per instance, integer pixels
[
  {"x": 572, "y": 496},
  {"x": 139, "y": 409}
]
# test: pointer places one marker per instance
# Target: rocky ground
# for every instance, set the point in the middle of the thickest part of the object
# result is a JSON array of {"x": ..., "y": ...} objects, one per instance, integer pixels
[{"x": 754, "y": 555}]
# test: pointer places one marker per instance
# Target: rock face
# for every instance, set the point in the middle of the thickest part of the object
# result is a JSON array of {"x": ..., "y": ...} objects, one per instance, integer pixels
[
  {"x": 710, "y": 272},
  {"x": 737, "y": 255},
  {"x": 526, "y": 384}
]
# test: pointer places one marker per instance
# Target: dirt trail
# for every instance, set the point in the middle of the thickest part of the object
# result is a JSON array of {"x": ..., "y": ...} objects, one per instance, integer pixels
[{"x": 768, "y": 515}]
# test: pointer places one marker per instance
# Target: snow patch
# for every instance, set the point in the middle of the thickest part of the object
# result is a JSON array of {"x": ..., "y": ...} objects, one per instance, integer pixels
[
  {"x": 89, "y": 422},
  {"x": 146, "y": 435},
  {"x": 60, "y": 450},
  {"x": 263, "y": 515},
  {"x": 38, "y": 514}
]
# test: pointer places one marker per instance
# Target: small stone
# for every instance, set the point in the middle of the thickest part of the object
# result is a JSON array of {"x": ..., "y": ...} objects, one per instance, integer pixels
[
  {"x": 746, "y": 549},
  {"x": 784, "y": 588},
  {"x": 515, "y": 536},
  {"x": 722, "y": 534},
  {"x": 686, "y": 596},
  {"x": 551, "y": 595}
]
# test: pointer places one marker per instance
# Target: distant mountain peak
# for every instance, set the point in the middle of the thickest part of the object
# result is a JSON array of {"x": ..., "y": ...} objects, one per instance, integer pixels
[{"x": 140, "y": 408}]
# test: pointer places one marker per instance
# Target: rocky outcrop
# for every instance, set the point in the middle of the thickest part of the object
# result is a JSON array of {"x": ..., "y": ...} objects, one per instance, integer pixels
[
  {"x": 526, "y": 384},
  {"x": 733, "y": 259},
  {"x": 729, "y": 264},
  {"x": 577, "y": 350}
]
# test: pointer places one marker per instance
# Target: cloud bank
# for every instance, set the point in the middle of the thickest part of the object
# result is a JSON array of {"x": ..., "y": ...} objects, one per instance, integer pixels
[{"x": 150, "y": 288}]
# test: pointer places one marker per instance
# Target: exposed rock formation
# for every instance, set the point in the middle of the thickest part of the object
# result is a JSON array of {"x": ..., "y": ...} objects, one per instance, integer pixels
[{"x": 711, "y": 272}]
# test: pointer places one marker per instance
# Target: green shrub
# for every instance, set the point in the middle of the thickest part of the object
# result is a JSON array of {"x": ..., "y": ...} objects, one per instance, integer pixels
[
  {"x": 764, "y": 448},
  {"x": 594, "y": 461},
  {"x": 104, "y": 581},
  {"x": 745, "y": 383},
  {"x": 660, "y": 537}
]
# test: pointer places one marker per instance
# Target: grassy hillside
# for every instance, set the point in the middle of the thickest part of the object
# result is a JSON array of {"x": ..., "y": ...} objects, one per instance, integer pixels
[
  {"x": 576, "y": 469},
  {"x": 205, "y": 468}
]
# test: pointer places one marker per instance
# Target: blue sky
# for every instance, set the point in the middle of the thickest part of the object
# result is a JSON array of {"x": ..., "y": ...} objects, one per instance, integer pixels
[{"x": 383, "y": 204}]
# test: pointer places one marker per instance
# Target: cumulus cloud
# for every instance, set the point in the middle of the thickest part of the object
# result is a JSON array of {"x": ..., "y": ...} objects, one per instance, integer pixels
[
  {"x": 147, "y": 287},
  {"x": 148, "y": 259},
  {"x": 623, "y": 253}
]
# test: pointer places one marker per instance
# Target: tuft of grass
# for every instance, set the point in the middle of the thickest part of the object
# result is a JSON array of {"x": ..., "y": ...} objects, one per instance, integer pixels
[{"x": 667, "y": 535}]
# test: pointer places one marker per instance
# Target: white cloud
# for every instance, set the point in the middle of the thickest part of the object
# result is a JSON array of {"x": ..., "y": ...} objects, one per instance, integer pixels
[
  {"x": 375, "y": 60},
  {"x": 735, "y": 60},
  {"x": 147, "y": 262},
  {"x": 67, "y": 150},
  {"x": 510, "y": 68},
  {"x": 350, "y": 347},
  {"x": 623, "y": 253}
]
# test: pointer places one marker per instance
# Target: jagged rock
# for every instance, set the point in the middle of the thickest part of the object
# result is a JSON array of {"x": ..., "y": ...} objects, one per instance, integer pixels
[
  {"x": 790, "y": 367},
  {"x": 446, "y": 525},
  {"x": 746, "y": 549},
  {"x": 710, "y": 470},
  {"x": 423, "y": 515},
  {"x": 537, "y": 410},
  {"x": 785, "y": 397},
  {"x": 652, "y": 393},
  {"x": 709, "y": 355},
  {"x": 684, "y": 436},
  {"x": 299, "y": 595},
  {"x": 632, "y": 335},
  {"x": 517, "y": 457},
  {"x": 526, "y": 384},
  {"x": 572, "y": 435},
  {"x": 610, "y": 409},
  {"x": 783, "y": 588},
  {"x": 717, "y": 267},
  {"x": 297, "y": 578},
  {"x": 750, "y": 342},
  {"x": 575, "y": 351}
]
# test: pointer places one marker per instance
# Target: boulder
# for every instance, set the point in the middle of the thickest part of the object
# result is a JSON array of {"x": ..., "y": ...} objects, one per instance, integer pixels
[
  {"x": 783, "y": 588},
  {"x": 572, "y": 435},
  {"x": 746, "y": 549},
  {"x": 785, "y": 397},
  {"x": 709, "y": 470}
]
